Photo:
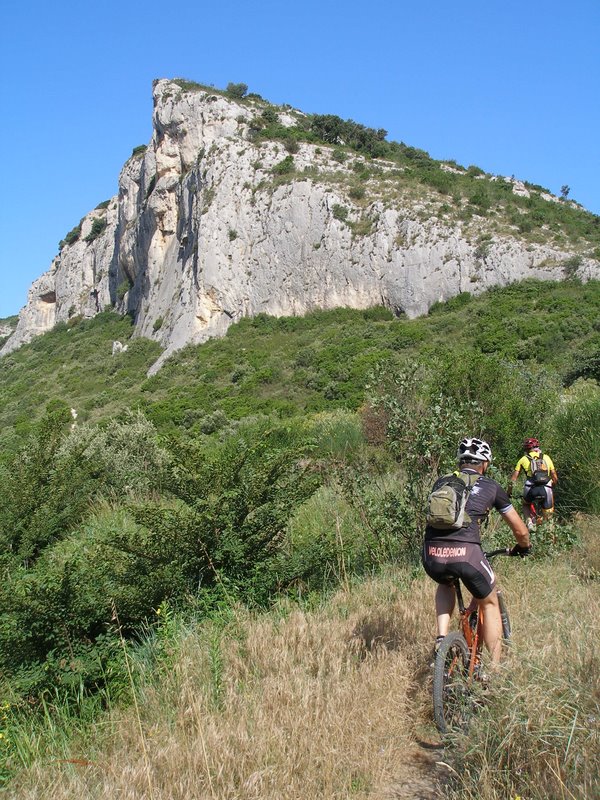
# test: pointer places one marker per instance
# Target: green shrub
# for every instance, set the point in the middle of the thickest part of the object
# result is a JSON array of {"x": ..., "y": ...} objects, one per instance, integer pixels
[
  {"x": 334, "y": 130},
  {"x": 270, "y": 116},
  {"x": 237, "y": 90},
  {"x": 291, "y": 144},
  {"x": 440, "y": 180},
  {"x": 72, "y": 236},
  {"x": 97, "y": 229},
  {"x": 571, "y": 265},
  {"x": 356, "y": 192},
  {"x": 54, "y": 477},
  {"x": 191, "y": 86},
  {"x": 480, "y": 198},
  {"x": 284, "y": 167},
  {"x": 474, "y": 171},
  {"x": 525, "y": 225},
  {"x": 378, "y": 314},
  {"x": 340, "y": 212},
  {"x": 123, "y": 288},
  {"x": 586, "y": 366},
  {"x": 213, "y": 422}
]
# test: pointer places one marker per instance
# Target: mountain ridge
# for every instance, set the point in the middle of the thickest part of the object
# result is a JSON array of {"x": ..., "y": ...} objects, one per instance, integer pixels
[{"x": 237, "y": 208}]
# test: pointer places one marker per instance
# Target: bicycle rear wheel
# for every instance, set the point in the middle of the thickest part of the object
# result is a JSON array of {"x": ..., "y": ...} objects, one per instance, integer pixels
[{"x": 452, "y": 701}]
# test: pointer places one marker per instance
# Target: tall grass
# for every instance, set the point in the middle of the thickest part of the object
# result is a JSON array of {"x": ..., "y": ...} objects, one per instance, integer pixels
[
  {"x": 293, "y": 704},
  {"x": 577, "y": 442},
  {"x": 334, "y": 701},
  {"x": 539, "y": 736}
]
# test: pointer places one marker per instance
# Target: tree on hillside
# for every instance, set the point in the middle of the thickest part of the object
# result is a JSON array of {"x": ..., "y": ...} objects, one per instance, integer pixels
[{"x": 237, "y": 90}]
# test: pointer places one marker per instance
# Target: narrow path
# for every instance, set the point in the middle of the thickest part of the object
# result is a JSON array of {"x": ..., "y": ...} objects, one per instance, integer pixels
[
  {"x": 431, "y": 772},
  {"x": 426, "y": 783}
]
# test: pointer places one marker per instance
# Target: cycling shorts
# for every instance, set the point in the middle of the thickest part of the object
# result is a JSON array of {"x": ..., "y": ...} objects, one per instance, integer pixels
[
  {"x": 543, "y": 491},
  {"x": 444, "y": 561}
]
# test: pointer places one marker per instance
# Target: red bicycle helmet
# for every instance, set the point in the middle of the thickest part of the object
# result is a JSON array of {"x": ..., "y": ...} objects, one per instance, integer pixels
[{"x": 531, "y": 444}]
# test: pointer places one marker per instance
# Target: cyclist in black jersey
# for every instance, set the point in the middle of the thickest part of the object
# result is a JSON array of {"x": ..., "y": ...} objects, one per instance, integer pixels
[{"x": 450, "y": 554}]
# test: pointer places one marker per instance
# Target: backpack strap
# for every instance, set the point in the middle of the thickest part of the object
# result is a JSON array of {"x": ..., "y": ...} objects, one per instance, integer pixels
[
  {"x": 467, "y": 475},
  {"x": 539, "y": 458},
  {"x": 466, "y": 478}
]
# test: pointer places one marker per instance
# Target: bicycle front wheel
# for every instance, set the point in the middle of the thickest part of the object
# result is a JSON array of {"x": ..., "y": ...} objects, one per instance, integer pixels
[{"x": 451, "y": 685}]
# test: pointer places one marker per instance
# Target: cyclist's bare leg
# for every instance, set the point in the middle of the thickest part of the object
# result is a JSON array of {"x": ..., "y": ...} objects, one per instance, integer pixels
[
  {"x": 445, "y": 599},
  {"x": 529, "y": 517},
  {"x": 492, "y": 626}
]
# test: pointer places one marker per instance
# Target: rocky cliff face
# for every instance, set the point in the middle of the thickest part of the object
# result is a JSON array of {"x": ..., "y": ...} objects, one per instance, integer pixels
[{"x": 210, "y": 225}]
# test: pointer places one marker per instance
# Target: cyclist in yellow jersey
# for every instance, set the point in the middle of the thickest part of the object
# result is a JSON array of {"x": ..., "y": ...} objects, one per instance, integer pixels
[{"x": 540, "y": 477}]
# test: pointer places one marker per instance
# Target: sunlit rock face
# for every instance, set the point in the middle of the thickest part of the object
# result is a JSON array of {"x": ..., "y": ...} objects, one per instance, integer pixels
[{"x": 207, "y": 228}]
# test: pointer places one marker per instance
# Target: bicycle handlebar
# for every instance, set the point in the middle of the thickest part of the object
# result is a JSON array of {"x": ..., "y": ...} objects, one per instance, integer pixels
[{"x": 503, "y": 551}]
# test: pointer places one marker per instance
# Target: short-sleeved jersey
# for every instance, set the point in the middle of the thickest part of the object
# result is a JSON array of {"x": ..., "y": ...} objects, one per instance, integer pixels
[
  {"x": 525, "y": 463},
  {"x": 485, "y": 495}
]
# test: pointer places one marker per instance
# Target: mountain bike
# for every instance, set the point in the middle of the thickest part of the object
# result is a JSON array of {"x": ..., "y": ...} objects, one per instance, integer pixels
[
  {"x": 533, "y": 510},
  {"x": 458, "y": 665},
  {"x": 535, "y": 513}
]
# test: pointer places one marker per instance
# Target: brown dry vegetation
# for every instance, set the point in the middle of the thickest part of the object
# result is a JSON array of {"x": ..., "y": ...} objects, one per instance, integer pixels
[
  {"x": 334, "y": 703},
  {"x": 292, "y": 704},
  {"x": 539, "y": 736}
]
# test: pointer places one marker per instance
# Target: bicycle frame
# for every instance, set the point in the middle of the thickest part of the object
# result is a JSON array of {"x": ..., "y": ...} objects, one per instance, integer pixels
[
  {"x": 458, "y": 658},
  {"x": 471, "y": 620}
]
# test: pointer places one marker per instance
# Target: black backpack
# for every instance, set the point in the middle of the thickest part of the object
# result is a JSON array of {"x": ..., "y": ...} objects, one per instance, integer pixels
[{"x": 539, "y": 470}]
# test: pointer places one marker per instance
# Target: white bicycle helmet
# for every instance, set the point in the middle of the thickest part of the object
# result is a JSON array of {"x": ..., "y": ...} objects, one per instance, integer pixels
[{"x": 472, "y": 449}]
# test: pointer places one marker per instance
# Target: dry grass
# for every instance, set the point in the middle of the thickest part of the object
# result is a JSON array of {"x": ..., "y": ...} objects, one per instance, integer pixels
[
  {"x": 539, "y": 736},
  {"x": 335, "y": 703},
  {"x": 293, "y": 704}
]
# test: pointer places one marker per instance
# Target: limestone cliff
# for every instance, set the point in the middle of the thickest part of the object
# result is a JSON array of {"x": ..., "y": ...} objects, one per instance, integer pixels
[{"x": 212, "y": 223}]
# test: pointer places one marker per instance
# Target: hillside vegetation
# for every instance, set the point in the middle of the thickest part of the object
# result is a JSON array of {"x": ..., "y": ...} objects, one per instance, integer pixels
[
  {"x": 7, "y": 327},
  {"x": 389, "y": 170},
  {"x": 332, "y": 699},
  {"x": 291, "y": 365},
  {"x": 148, "y": 546}
]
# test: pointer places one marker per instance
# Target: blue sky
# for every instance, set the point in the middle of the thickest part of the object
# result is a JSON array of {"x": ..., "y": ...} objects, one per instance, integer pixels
[{"x": 512, "y": 87}]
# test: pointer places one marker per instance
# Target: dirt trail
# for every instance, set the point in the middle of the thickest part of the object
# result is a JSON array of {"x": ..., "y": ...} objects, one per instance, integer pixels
[{"x": 427, "y": 783}]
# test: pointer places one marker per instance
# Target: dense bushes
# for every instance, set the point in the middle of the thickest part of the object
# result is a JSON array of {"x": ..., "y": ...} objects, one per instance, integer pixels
[
  {"x": 102, "y": 520},
  {"x": 575, "y": 443},
  {"x": 315, "y": 363},
  {"x": 265, "y": 479}
]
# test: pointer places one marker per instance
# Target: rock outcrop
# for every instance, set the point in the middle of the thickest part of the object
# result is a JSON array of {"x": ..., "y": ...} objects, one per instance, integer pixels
[{"x": 211, "y": 224}]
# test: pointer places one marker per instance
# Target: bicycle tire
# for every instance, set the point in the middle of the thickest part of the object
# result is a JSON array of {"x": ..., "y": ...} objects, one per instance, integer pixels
[
  {"x": 451, "y": 690},
  {"x": 506, "y": 631}
]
